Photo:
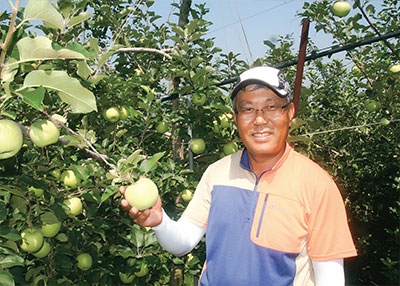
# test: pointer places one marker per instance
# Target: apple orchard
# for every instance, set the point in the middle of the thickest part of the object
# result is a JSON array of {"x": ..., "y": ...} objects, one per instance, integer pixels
[{"x": 96, "y": 93}]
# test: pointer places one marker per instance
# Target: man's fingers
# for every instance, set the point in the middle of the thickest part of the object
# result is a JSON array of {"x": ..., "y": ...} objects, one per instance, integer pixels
[
  {"x": 122, "y": 190},
  {"x": 125, "y": 205}
]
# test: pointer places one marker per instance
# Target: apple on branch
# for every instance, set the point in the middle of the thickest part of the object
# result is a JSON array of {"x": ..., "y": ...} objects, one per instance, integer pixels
[
  {"x": 85, "y": 261},
  {"x": 197, "y": 146},
  {"x": 112, "y": 114},
  {"x": 341, "y": 8},
  {"x": 74, "y": 206},
  {"x": 32, "y": 240},
  {"x": 11, "y": 138},
  {"x": 187, "y": 195},
  {"x": 126, "y": 278},
  {"x": 162, "y": 127},
  {"x": 43, "y": 133},
  {"x": 69, "y": 179},
  {"x": 43, "y": 251}
]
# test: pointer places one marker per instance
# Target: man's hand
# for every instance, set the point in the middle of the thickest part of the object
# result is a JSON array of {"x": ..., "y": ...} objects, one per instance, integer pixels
[{"x": 149, "y": 217}]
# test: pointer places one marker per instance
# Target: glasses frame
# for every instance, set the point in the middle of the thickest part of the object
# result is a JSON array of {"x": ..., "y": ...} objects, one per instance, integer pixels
[{"x": 254, "y": 111}]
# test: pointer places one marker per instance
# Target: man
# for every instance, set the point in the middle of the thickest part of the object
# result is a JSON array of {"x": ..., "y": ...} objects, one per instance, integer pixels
[{"x": 271, "y": 216}]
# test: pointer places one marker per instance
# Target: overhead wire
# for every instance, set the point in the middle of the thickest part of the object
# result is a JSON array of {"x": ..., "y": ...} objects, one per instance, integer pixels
[
  {"x": 237, "y": 32},
  {"x": 252, "y": 16},
  {"x": 244, "y": 33}
]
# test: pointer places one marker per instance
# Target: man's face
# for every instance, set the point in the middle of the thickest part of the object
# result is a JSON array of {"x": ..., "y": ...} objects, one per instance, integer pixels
[{"x": 263, "y": 134}]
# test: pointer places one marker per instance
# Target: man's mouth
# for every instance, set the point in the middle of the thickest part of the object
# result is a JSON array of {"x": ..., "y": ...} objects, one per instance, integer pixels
[{"x": 261, "y": 135}]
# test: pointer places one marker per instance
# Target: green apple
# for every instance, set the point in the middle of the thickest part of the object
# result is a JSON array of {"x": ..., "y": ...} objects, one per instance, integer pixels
[
  {"x": 51, "y": 229},
  {"x": 187, "y": 195},
  {"x": 123, "y": 113},
  {"x": 43, "y": 133},
  {"x": 144, "y": 269},
  {"x": 142, "y": 194},
  {"x": 56, "y": 174},
  {"x": 38, "y": 192},
  {"x": 384, "y": 121},
  {"x": 162, "y": 127},
  {"x": 69, "y": 179},
  {"x": 112, "y": 114},
  {"x": 197, "y": 146},
  {"x": 225, "y": 120},
  {"x": 74, "y": 206},
  {"x": 84, "y": 261},
  {"x": 32, "y": 240},
  {"x": 372, "y": 105},
  {"x": 11, "y": 138},
  {"x": 356, "y": 70},
  {"x": 43, "y": 251},
  {"x": 395, "y": 68},
  {"x": 126, "y": 278},
  {"x": 230, "y": 148},
  {"x": 199, "y": 99},
  {"x": 341, "y": 8}
]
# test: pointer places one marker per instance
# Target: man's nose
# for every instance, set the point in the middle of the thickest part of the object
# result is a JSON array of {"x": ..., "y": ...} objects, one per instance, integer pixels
[{"x": 259, "y": 117}]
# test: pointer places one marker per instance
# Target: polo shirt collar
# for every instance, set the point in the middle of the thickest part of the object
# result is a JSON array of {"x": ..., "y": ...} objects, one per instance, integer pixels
[{"x": 245, "y": 164}]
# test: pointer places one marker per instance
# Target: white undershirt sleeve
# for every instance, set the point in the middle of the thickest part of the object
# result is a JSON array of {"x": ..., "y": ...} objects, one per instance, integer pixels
[
  {"x": 178, "y": 237},
  {"x": 329, "y": 273}
]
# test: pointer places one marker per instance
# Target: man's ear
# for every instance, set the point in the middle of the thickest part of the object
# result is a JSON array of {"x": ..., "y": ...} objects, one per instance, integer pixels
[
  {"x": 234, "y": 117},
  {"x": 291, "y": 112}
]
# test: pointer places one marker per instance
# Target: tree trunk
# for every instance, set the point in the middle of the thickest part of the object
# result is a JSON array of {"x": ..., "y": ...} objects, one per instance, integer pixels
[
  {"x": 177, "y": 146},
  {"x": 177, "y": 271}
]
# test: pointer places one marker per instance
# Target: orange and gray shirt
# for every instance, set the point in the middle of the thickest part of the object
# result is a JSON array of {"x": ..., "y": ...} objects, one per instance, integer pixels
[{"x": 266, "y": 230}]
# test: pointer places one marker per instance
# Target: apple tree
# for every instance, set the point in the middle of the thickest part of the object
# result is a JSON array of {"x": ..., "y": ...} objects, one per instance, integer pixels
[{"x": 99, "y": 72}]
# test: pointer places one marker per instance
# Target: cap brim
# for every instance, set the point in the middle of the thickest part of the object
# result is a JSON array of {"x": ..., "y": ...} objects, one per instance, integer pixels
[{"x": 246, "y": 82}]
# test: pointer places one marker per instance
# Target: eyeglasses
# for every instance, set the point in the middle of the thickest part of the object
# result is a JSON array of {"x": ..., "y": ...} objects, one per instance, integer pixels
[{"x": 269, "y": 111}]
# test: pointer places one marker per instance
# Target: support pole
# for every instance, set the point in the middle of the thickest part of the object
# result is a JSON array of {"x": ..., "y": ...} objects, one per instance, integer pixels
[{"x": 300, "y": 65}]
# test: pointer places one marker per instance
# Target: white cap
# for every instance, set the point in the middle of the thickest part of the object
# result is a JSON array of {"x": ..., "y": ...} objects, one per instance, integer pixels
[{"x": 268, "y": 76}]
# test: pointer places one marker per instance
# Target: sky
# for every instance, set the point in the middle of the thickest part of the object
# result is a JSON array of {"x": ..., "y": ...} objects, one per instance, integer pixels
[
  {"x": 241, "y": 26},
  {"x": 260, "y": 20}
]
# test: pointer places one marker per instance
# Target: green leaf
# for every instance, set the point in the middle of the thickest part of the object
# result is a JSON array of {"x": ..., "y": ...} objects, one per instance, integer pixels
[
  {"x": 150, "y": 164},
  {"x": 104, "y": 57},
  {"x": 9, "y": 233},
  {"x": 11, "y": 261},
  {"x": 196, "y": 36},
  {"x": 83, "y": 16},
  {"x": 33, "y": 272},
  {"x": 6, "y": 278},
  {"x": 70, "y": 90},
  {"x": 40, "y": 48},
  {"x": 33, "y": 97},
  {"x": 108, "y": 193},
  {"x": 94, "y": 45},
  {"x": 76, "y": 47},
  {"x": 191, "y": 26},
  {"x": 13, "y": 190},
  {"x": 296, "y": 123},
  {"x": 43, "y": 10},
  {"x": 84, "y": 71},
  {"x": 178, "y": 30}
]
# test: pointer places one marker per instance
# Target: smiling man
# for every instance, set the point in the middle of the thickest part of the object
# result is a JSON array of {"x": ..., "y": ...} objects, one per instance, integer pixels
[{"x": 271, "y": 215}]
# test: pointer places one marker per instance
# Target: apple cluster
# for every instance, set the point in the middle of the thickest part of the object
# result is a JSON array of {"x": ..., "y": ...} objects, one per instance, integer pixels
[
  {"x": 115, "y": 114},
  {"x": 42, "y": 133}
]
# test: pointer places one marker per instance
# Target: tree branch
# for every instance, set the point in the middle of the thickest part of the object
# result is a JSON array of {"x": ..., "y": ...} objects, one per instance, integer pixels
[
  {"x": 4, "y": 46},
  {"x": 163, "y": 52},
  {"x": 375, "y": 29}
]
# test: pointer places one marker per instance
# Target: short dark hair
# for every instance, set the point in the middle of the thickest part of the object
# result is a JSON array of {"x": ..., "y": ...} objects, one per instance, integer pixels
[{"x": 252, "y": 87}]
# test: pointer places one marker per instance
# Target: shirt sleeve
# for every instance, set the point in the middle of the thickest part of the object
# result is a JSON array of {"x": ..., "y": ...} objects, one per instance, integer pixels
[
  {"x": 197, "y": 210},
  {"x": 329, "y": 235}
]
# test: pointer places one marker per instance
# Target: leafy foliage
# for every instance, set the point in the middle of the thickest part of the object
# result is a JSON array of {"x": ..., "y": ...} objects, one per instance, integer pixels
[{"x": 83, "y": 57}]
